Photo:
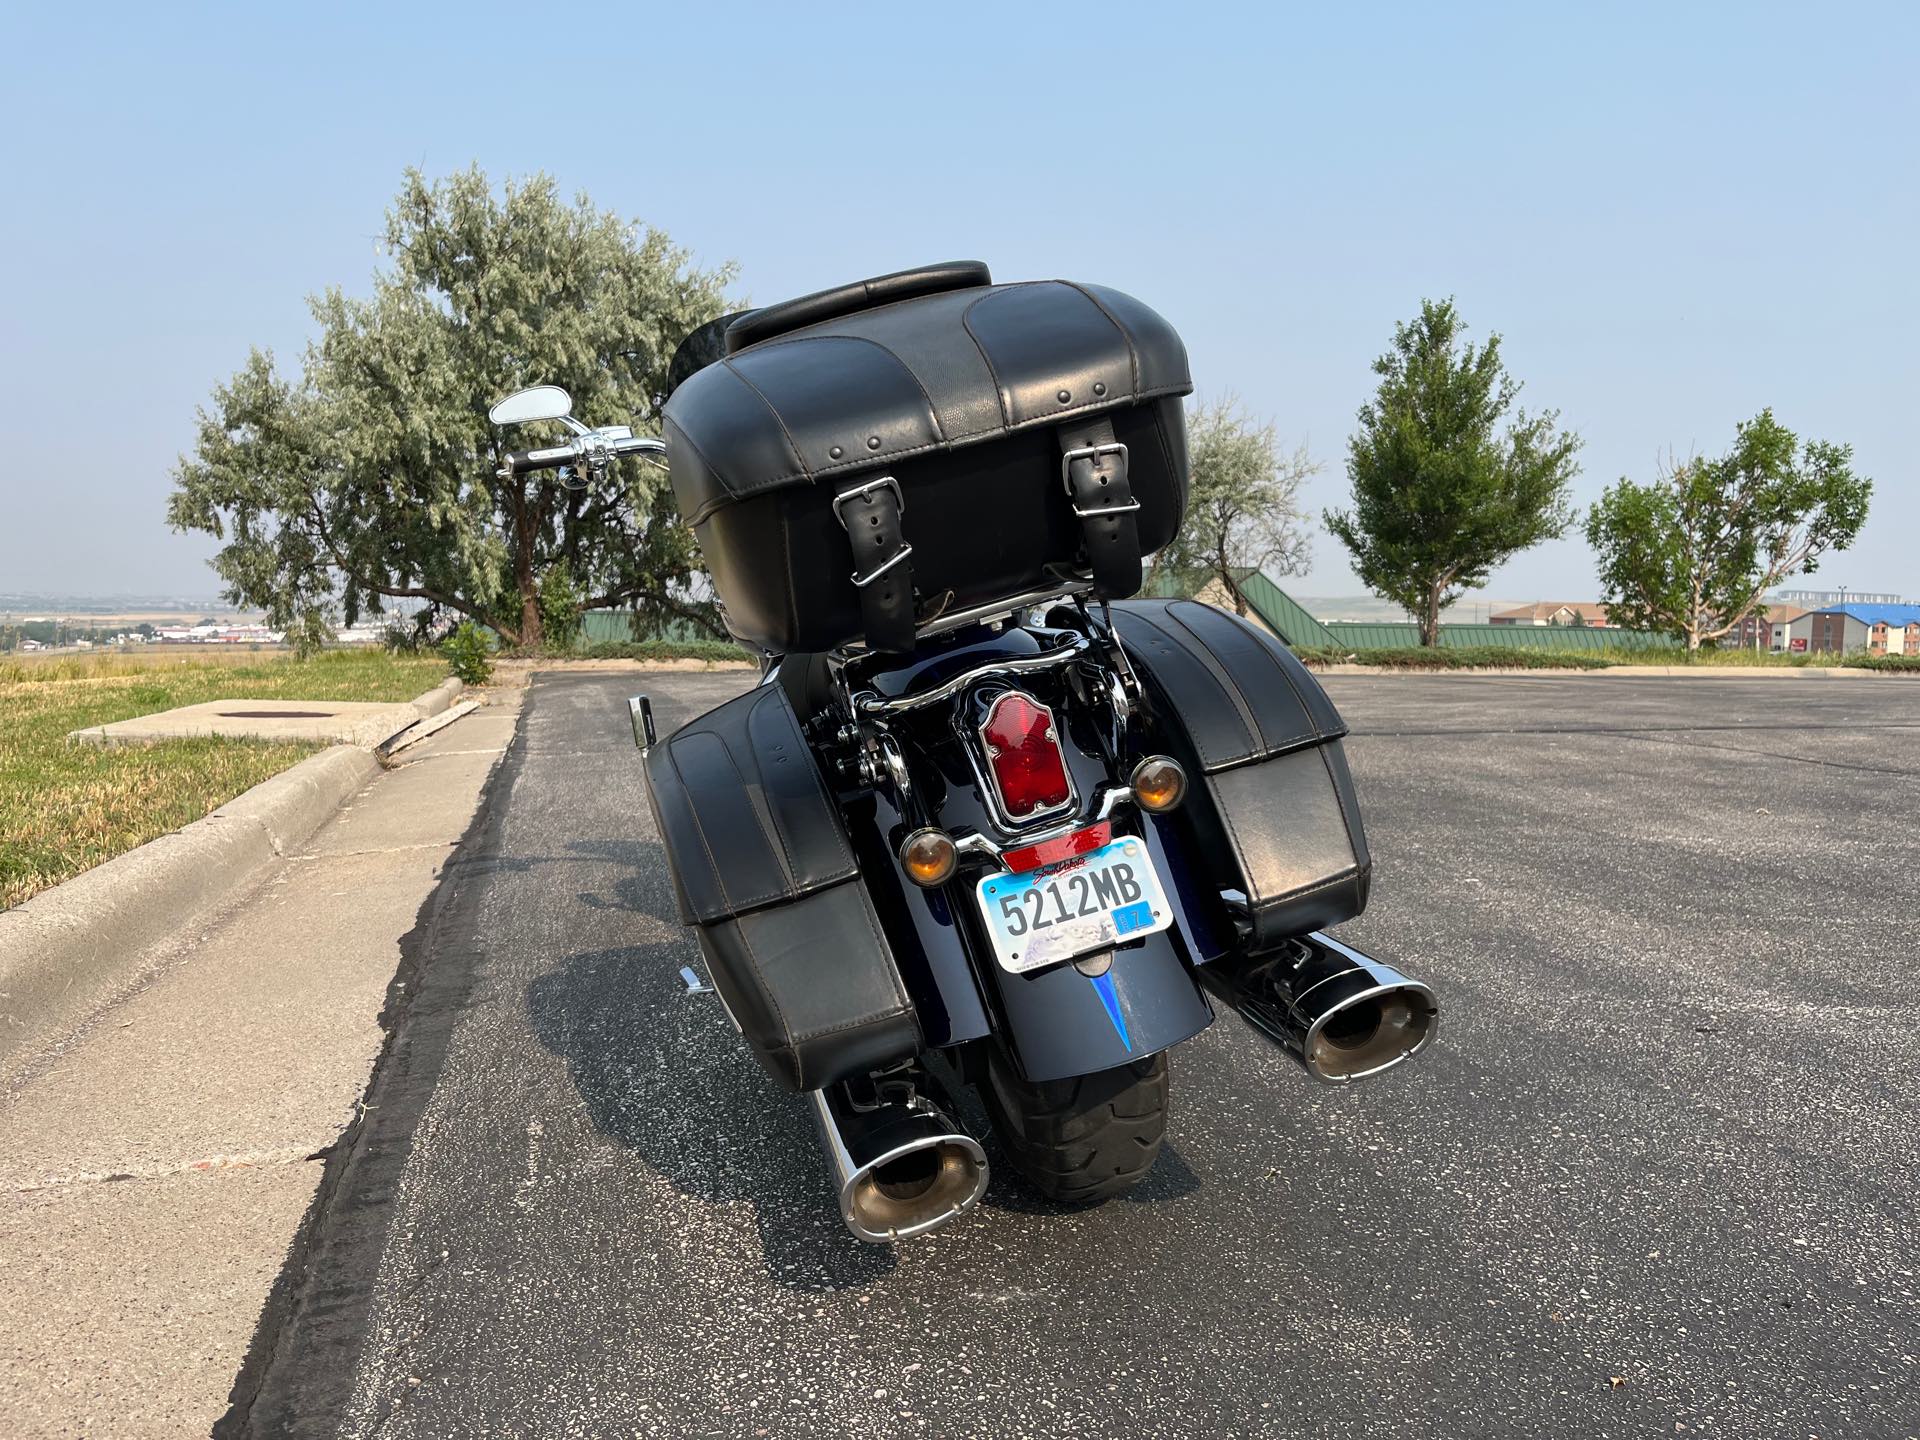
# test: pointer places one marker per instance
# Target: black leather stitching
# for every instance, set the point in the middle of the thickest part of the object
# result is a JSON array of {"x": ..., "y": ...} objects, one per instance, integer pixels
[
  {"x": 763, "y": 815},
  {"x": 1133, "y": 352},
  {"x": 1171, "y": 639},
  {"x": 1353, "y": 844},
  {"x": 874, "y": 462},
  {"x": 793, "y": 890},
  {"x": 1214, "y": 665},
  {"x": 888, "y": 351},
  {"x": 999, "y": 389},
  {"x": 719, "y": 880},
  {"x": 760, "y": 977},
  {"x": 793, "y": 448},
  {"x": 1345, "y": 877}
]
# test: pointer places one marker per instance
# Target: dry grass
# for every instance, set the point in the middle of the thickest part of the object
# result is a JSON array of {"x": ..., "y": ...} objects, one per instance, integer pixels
[{"x": 66, "y": 807}]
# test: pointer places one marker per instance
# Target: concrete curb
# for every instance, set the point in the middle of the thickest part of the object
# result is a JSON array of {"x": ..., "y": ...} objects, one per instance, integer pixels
[
  {"x": 438, "y": 698},
  {"x": 1627, "y": 672},
  {"x": 70, "y": 949},
  {"x": 376, "y": 724}
]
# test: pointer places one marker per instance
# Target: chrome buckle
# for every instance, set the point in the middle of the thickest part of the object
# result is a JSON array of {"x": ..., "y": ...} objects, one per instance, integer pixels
[
  {"x": 1093, "y": 453},
  {"x": 885, "y": 482},
  {"x": 840, "y": 501},
  {"x": 860, "y": 581}
]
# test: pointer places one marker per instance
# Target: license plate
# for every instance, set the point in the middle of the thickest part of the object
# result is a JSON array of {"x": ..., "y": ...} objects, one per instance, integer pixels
[{"x": 1065, "y": 909}]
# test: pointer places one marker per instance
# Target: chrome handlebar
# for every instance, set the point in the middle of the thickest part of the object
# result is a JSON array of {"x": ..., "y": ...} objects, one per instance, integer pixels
[{"x": 591, "y": 451}]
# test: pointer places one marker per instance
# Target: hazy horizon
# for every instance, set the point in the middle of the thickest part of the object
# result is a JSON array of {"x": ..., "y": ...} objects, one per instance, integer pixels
[{"x": 1673, "y": 219}]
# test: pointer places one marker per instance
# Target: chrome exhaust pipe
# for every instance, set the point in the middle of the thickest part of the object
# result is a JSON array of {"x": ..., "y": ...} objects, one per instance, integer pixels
[
  {"x": 900, "y": 1167},
  {"x": 1343, "y": 1015}
]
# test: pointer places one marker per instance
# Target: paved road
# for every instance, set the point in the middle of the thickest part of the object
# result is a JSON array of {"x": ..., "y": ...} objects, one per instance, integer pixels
[{"x": 1656, "y": 1178}]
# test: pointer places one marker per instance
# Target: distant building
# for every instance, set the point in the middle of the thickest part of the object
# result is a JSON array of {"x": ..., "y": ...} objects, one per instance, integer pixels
[
  {"x": 1825, "y": 599},
  {"x": 1554, "y": 612},
  {"x": 212, "y": 634},
  {"x": 1858, "y": 627},
  {"x": 1763, "y": 632}
]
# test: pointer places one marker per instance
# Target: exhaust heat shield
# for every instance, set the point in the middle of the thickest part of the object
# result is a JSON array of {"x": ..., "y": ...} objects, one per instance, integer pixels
[
  {"x": 1341, "y": 1014},
  {"x": 900, "y": 1167}
]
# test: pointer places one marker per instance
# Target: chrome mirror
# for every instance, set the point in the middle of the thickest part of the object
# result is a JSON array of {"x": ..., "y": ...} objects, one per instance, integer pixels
[{"x": 542, "y": 402}]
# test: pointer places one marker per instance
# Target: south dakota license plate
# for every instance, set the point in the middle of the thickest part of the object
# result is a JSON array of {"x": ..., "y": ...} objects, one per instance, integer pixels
[{"x": 1073, "y": 906}]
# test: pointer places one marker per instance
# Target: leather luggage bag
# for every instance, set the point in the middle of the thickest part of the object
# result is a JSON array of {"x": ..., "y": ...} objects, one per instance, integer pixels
[
  {"x": 1273, "y": 804},
  {"x": 859, "y": 462},
  {"x": 764, "y": 873}
]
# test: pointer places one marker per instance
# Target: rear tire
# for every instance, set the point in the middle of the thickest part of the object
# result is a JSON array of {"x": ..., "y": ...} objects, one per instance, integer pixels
[{"x": 1083, "y": 1140}]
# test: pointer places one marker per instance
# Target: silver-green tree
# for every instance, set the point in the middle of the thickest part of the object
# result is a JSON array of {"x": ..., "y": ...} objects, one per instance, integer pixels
[
  {"x": 371, "y": 477},
  {"x": 1449, "y": 478},
  {"x": 1243, "y": 503},
  {"x": 1692, "y": 553}
]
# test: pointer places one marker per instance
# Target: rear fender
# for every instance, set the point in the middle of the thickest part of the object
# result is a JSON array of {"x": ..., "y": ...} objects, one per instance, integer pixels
[
  {"x": 1100, "y": 1011},
  {"x": 1069, "y": 1019}
]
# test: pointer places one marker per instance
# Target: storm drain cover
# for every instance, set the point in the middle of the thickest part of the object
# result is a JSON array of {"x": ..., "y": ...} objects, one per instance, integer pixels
[{"x": 276, "y": 714}]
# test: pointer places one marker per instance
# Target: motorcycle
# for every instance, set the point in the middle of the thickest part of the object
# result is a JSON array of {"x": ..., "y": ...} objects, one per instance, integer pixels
[{"x": 988, "y": 818}]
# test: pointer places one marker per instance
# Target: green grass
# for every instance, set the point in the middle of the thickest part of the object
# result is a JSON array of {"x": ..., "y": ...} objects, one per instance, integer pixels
[
  {"x": 708, "y": 650},
  {"x": 1721, "y": 659},
  {"x": 1464, "y": 657},
  {"x": 1885, "y": 664},
  {"x": 66, "y": 807},
  {"x": 1498, "y": 657}
]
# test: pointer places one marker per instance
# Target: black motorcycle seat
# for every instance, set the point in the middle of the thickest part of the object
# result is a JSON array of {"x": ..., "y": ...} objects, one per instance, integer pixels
[{"x": 754, "y": 326}]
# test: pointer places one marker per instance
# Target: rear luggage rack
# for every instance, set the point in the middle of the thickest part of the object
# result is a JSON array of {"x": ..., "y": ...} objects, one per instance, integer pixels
[{"x": 868, "y": 703}]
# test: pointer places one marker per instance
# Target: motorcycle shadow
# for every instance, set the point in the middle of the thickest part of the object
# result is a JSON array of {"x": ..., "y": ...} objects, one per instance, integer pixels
[{"x": 662, "y": 1074}]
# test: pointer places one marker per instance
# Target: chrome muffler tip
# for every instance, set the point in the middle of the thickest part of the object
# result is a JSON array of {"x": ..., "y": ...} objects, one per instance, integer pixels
[
  {"x": 1343, "y": 1015},
  {"x": 1367, "y": 1021},
  {"x": 899, "y": 1166}
]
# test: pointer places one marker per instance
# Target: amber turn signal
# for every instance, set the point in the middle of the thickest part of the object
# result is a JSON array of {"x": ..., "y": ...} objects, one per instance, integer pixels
[
  {"x": 928, "y": 856},
  {"x": 1159, "y": 784}
]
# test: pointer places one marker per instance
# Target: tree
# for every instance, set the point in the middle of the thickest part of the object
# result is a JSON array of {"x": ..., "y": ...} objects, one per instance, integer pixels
[
  {"x": 1692, "y": 552},
  {"x": 372, "y": 477},
  {"x": 1441, "y": 495},
  {"x": 1243, "y": 503}
]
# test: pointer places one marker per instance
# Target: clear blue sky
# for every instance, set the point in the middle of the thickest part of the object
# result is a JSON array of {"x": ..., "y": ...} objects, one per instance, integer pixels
[{"x": 1675, "y": 215}]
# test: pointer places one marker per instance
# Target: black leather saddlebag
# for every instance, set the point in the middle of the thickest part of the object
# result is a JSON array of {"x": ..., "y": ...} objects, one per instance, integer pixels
[
  {"x": 763, "y": 872},
  {"x": 1274, "y": 807},
  {"x": 862, "y": 460}
]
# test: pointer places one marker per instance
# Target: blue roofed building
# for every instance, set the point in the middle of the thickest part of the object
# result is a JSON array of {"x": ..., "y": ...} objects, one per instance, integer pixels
[{"x": 1869, "y": 628}]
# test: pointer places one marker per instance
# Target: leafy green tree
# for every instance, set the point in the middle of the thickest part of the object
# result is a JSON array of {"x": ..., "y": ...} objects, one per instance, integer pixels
[
  {"x": 1243, "y": 503},
  {"x": 561, "y": 605},
  {"x": 372, "y": 477},
  {"x": 1441, "y": 492},
  {"x": 1692, "y": 552}
]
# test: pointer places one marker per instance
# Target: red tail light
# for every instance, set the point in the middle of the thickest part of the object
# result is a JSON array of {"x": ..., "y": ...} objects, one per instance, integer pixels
[{"x": 1023, "y": 754}]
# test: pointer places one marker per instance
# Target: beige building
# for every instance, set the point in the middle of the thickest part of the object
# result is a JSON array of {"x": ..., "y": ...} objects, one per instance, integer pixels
[
  {"x": 1763, "y": 632},
  {"x": 1554, "y": 612},
  {"x": 1855, "y": 628}
]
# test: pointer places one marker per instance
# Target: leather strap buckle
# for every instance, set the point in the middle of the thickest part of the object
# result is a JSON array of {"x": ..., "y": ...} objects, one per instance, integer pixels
[
  {"x": 1093, "y": 454},
  {"x": 884, "y": 482},
  {"x": 882, "y": 485},
  {"x": 861, "y": 581}
]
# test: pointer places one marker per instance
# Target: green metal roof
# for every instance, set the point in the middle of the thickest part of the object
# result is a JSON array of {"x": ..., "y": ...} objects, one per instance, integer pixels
[
  {"x": 1281, "y": 612},
  {"x": 1276, "y": 609}
]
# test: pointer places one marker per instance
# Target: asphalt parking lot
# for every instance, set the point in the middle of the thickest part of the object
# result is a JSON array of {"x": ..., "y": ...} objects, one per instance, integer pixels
[{"x": 1656, "y": 1177}]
